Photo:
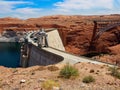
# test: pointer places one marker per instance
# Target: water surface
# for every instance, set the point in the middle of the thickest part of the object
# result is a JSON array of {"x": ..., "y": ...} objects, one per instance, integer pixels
[{"x": 9, "y": 54}]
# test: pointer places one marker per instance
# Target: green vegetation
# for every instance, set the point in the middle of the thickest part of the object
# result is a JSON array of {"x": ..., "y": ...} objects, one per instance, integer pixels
[
  {"x": 49, "y": 84},
  {"x": 115, "y": 72},
  {"x": 88, "y": 79},
  {"x": 69, "y": 71}
]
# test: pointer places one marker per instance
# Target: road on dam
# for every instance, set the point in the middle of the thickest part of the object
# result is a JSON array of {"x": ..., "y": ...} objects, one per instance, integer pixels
[{"x": 68, "y": 58}]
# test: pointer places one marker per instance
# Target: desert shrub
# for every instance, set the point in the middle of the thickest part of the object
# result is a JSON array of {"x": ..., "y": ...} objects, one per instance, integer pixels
[
  {"x": 115, "y": 72},
  {"x": 49, "y": 84},
  {"x": 69, "y": 71},
  {"x": 53, "y": 68},
  {"x": 88, "y": 79}
]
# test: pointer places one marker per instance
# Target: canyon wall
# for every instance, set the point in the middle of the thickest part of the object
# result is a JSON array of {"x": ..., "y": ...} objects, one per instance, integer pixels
[{"x": 75, "y": 31}]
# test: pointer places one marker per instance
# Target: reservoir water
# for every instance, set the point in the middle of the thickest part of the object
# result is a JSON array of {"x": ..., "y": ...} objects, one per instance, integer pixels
[{"x": 9, "y": 54}]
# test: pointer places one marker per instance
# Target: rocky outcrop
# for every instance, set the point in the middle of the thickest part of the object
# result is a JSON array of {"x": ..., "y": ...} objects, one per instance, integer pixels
[{"x": 114, "y": 49}]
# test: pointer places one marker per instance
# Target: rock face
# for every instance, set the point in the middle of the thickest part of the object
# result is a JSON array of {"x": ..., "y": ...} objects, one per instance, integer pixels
[
  {"x": 76, "y": 31},
  {"x": 114, "y": 49}
]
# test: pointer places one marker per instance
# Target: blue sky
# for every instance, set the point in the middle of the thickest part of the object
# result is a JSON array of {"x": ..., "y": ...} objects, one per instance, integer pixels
[{"x": 36, "y": 8}]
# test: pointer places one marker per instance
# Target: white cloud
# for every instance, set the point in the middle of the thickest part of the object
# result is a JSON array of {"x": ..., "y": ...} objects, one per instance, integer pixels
[
  {"x": 76, "y": 6},
  {"x": 27, "y": 12},
  {"x": 8, "y": 8},
  {"x": 67, "y": 7}
]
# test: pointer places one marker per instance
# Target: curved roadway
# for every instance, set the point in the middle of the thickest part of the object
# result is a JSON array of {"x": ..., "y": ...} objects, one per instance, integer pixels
[{"x": 72, "y": 59}]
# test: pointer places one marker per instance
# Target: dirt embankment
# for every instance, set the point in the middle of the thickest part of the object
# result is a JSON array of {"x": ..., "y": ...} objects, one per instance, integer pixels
[
  {"x": 76, "y": 32},
  {"x": 32, "y": 78}
]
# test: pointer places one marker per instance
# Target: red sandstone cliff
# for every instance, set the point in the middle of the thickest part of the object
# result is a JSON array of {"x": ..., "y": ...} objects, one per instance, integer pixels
[{"x": 76, "y": 31}]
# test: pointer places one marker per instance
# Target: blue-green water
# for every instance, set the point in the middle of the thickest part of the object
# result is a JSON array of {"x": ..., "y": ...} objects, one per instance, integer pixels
[{"x": 9, "y": 54}]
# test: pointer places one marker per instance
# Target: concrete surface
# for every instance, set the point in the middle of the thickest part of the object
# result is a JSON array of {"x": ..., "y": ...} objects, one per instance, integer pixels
[
  {"x": 39, "y": 56},
  {"x": 72, "y": 59},
  {"x": 54, "y": 40}
]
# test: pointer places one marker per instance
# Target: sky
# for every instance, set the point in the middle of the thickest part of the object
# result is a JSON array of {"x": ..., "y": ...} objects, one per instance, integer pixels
[{"x": 36, "y": 8}]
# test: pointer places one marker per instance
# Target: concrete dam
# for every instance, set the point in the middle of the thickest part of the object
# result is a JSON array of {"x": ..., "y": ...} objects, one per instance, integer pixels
[
  {"x": 32, "y": 54},
  {"x": 39, "y": 56}
]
